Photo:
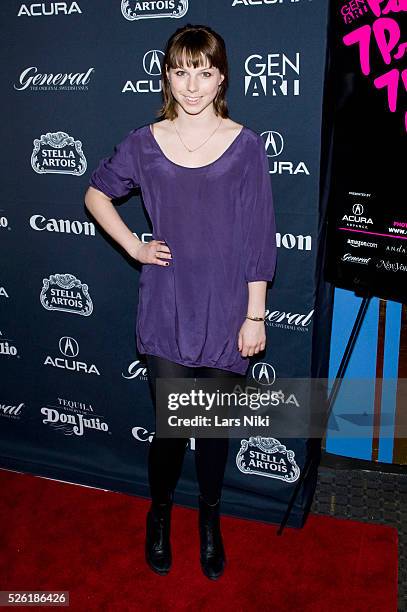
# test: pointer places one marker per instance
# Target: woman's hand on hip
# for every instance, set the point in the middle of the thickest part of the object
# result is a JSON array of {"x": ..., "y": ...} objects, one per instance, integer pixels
[
  {"x": 153, "y": 252},
  {"x": 252, "y": 338}
]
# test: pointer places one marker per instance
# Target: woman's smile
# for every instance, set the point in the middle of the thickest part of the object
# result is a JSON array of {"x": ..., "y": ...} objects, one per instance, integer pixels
[{"x": 192, "y": 100}]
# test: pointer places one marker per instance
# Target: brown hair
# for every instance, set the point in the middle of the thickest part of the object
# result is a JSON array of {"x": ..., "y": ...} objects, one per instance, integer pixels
[{"x": 192, "y": 42}]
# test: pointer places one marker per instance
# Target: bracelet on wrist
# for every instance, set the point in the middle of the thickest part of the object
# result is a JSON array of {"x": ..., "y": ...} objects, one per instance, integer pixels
[{"x": 255, "y": 318}]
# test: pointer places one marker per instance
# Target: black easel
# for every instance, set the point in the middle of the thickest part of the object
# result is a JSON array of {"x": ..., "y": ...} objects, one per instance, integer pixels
[{"x": 331, "y": 399}]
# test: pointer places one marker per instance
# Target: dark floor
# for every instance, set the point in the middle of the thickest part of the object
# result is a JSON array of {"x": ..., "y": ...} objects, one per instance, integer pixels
[{"x": 366, "y": 495}]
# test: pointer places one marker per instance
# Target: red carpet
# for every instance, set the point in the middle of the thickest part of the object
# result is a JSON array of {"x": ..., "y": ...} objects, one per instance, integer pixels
[{"x": 91, "y": 543}]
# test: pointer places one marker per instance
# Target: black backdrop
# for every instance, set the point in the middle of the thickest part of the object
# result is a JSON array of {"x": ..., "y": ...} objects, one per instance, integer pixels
[{"x": 74, "y": 400}]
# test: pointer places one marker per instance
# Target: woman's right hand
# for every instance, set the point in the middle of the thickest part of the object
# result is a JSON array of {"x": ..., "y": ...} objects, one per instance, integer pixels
[{"x": 153, "y": 252}]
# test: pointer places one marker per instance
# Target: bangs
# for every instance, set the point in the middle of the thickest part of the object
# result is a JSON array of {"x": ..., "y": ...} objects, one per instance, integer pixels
[{"x": 193, "y": 49}]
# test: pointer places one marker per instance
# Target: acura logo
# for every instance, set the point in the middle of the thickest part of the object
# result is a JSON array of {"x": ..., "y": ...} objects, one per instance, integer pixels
[
  {"x": 264, "y": 373},
  {"x": 273, "y": 143},
  {"x": 68, "y": 346},
  {"x": 357, "y": 209},
  {"x": 152, "y": 63}
]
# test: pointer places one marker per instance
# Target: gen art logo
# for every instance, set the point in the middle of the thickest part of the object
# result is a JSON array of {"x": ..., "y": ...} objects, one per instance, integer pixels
[
  {"x": 274, "y": 74},
  {"x": 58, "y": 153},
  {"x": 154, "y": 9}
]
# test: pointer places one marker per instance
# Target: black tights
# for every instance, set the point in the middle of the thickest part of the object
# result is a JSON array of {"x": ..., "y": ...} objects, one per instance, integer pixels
[{"x": 166, "y": 455}]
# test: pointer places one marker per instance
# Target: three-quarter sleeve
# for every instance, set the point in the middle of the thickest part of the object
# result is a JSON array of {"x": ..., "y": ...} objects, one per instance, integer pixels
[
  {"x": 116, "y": 176},
  {"x": 259, "y": 227}
]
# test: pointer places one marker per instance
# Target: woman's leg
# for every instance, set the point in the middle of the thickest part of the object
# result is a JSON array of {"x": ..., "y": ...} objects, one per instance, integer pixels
[
  {"x": 166, "y": 455},
  {"x": 211, "y": 453},
  {"x": 210, "y": 460}
]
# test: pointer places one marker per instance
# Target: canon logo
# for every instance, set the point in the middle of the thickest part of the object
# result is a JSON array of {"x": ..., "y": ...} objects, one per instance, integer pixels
[
  {"x": 63, "y": 226},
  {"x": 289, "y": 241},
  {"x": 142, "y": 435}
]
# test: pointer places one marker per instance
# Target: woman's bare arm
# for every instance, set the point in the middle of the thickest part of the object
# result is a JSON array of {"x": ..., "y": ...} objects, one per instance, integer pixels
[
  {"x": 257, "y": 298},
  {"x": 102, "y": 209},
  {"x": 252, "y": 334}
]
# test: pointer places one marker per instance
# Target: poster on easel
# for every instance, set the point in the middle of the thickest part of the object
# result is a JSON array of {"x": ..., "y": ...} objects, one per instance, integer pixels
[{"x": 367, "y": 213}]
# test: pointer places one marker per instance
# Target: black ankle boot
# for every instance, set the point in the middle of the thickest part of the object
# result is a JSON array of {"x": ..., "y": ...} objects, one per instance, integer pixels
[
  {"x": 158, "y": 547},
  {"x": 212, "y": 554}
]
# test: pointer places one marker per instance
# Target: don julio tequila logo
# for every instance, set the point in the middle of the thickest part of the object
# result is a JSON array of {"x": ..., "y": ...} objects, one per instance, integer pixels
[
  {"x": 71, "y": 417},
  {"x": 65, "y": 292},
  {"x": 134, "y": 9},
  {"x": 58, "y": 153}
]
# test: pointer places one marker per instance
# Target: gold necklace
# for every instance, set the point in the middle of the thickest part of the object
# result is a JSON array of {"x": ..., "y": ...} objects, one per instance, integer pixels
[{"x": 201, "y": 145}]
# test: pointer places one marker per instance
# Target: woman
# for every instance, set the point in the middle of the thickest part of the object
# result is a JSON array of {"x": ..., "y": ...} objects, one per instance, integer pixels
[{"x": 206, "y": 187}]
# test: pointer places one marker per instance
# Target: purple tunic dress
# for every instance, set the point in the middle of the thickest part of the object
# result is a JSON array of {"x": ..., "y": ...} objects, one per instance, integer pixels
[{"x": 218, "y": 221}]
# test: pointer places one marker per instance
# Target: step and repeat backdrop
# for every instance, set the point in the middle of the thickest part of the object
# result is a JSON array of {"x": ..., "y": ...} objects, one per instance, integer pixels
[{"x": 77, "y": 77}]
